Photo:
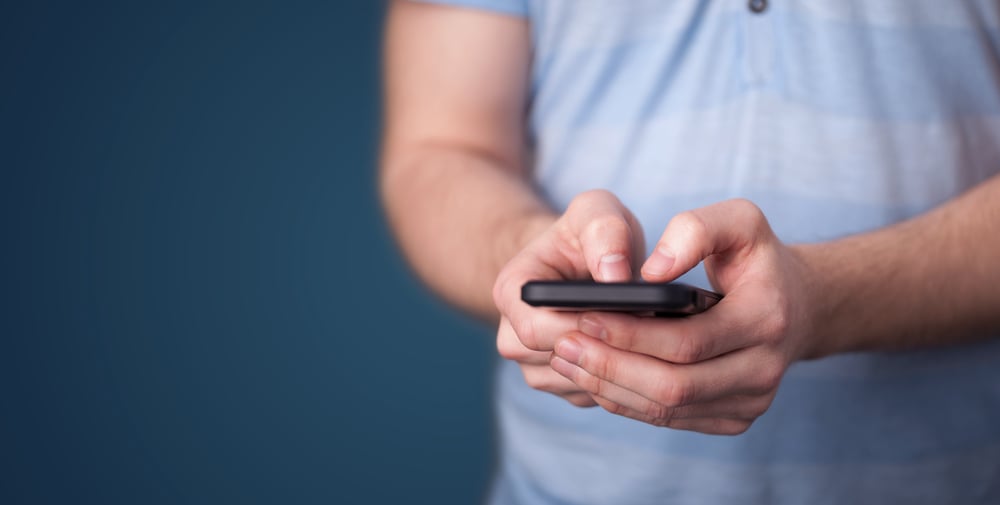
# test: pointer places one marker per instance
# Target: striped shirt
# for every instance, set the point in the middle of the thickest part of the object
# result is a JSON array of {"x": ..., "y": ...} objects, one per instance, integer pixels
[{"x": 835, "y": 117}]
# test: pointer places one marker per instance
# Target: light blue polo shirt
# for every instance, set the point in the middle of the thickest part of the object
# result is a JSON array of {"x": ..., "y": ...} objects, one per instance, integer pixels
[{"x": 835, "y": 117}]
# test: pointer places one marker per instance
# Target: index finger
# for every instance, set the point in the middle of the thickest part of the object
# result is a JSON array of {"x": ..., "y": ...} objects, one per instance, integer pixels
[{"x": 606, "y": 232}]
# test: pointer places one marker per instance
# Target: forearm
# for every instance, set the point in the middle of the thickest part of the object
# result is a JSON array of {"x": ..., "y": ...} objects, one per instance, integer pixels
[
  {"x": 452, "y": 178},
  {"x": 932, "y": 280},
  {"x": 459, "y": 216}
]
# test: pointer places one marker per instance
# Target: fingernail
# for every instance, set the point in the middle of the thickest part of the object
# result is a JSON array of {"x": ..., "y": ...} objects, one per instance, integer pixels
[
  {"x": 614, "y": 267},
  {"x": 568, "y": 350},
  {"x": 659, "y": 263},
  {"x": 592, "y": 328}
]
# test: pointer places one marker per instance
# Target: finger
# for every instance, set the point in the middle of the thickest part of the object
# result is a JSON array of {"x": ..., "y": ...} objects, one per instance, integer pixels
[
  {"x": 711, "y": 426},
  {"x": 606, "y": 232},
  {"x": 621, "y": 410},
  {"x": 726, "y": 228},
  {"x": 726, "y": 328},
  {"x": 582, "y": 400},
  {"x": 544, "y": 378},
  {"x": 510, "y": 347},
  {"x": 732, "y": 407},
  {"x": 612, "y": 392},
  {"x": 535, "y": 328},
  {"x": 538, "y": 329},
  {"x": 746, "y": 407},
  {"x": 526, "y": 266},
  {"x": 751, "y": 371}
]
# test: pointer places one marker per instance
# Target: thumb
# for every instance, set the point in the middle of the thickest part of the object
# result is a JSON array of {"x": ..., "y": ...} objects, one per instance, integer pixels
[{"x": 726, "y": 228}]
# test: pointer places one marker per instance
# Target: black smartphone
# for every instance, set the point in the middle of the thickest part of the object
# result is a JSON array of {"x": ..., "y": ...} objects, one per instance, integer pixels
[{"x": 661, "y": 299}]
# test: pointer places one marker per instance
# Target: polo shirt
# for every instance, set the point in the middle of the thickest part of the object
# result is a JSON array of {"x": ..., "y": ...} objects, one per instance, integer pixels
[{"x": 835, "y": 117}]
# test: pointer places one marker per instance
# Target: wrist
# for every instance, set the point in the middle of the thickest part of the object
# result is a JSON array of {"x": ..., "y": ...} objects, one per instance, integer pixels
[{"x": 823, "y": 302}]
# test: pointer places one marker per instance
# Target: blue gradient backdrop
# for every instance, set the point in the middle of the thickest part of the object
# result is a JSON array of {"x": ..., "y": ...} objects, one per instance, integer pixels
[{"x": 201, "y": 302}]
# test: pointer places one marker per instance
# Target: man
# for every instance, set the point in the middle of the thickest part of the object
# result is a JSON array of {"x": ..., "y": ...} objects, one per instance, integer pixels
[{"x": 833, "y": 164}]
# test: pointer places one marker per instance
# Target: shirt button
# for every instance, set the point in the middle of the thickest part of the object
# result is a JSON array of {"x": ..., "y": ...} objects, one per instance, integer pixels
[{"x": 758, "y": 6}]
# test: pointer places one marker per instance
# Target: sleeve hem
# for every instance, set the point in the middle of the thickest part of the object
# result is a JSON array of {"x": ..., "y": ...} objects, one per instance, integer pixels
[{"x": 517, "y": 8}]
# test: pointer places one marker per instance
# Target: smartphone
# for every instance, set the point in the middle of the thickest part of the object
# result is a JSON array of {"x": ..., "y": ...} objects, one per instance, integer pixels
[{"x": 660, "y": 299}]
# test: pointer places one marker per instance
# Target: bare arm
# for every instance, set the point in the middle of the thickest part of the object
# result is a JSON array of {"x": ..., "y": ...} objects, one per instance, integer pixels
[
  {"x": 453, "y": 176},
  {"x": 455, "y": 186},
  {"x": 928, "y": 281}
]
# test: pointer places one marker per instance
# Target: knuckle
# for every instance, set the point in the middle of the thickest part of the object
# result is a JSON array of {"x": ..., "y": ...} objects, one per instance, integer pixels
[
  {"x": 760, "y": 408},
  {"x": 673, "y": 393},
  {"x": 590, "y": 198},
  {"x": 732, "y": 427},
  {"x": 660, "y": 422},
  {"x": 509, "y": 348},
  {"x": 776, "y": 328},
  {"x": 615, "y": 408},
  {"x": 736, "y": 427},
  {"x": 658, "y": 412},
  {"x": 777, "y": 321},
  {"x": 770, "y": 376},
  {"x": 531, "y": 379},
  {"x": 690, "y": 348},
  {"x": 607, "y": 226},
  {"x": 750, "y": 211},
  {"x": 504, "y": 349},
  {"x": 746, "y": 207},
  {"x": 691, "y": 223},
  {"x": 536, "y": 379},
  {"x": 579, "y": 400},
  {"x": 526, "y": 333}
]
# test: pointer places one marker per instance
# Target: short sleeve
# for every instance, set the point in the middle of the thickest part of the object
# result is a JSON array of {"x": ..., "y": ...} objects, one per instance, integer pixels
[{"x": 510, "y": 7}]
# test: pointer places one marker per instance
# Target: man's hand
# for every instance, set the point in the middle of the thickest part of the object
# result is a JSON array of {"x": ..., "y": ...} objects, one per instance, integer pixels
[
  {"x": 714, "y": 372},
  {"x": 597, "y": 237}
]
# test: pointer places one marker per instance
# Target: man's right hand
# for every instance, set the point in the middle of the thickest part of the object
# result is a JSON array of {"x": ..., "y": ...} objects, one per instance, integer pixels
[{"x": 598, "y": 238}]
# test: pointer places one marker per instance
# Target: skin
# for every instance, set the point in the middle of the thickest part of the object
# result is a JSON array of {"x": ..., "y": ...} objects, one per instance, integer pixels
[{"x": 455, "y": 187}]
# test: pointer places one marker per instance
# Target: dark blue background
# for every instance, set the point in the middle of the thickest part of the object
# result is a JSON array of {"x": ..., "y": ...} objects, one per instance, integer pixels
[{"x": 201, "y": 301}]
